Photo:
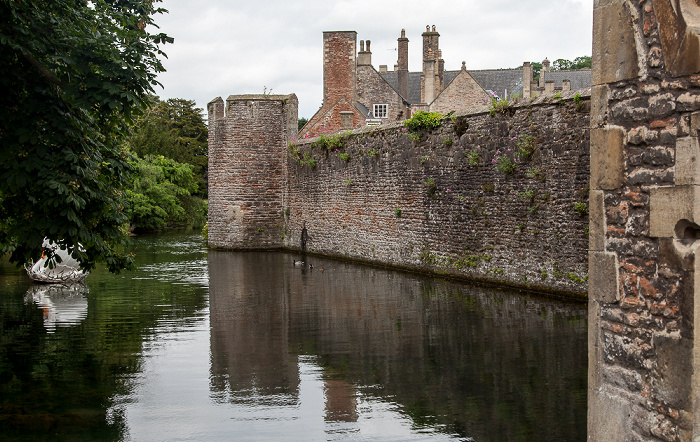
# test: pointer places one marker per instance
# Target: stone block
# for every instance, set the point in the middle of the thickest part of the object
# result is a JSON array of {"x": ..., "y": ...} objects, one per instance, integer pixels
[
  {"x": 694, "y": 123},
  {"x": 687, "y": 161},
  {"x": 607, "y": 158},
  {"x": 614, "y": 48},
  {"x": 679, "y": 35},
  {"x": 608, "y": 416},
  {"x": 596, "y": 217},
  {"x": 673, "y": 370},
  {"x": 599, "y": 104},
  {"x": 670, "y": 204},
  {"x": 603, "y": 277}
]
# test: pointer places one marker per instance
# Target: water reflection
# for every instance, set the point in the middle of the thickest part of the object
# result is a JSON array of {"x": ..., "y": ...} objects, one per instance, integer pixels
[
  {"x": 199, "y": 345},
  {"x": 466, "y": 362},
  {"x": 62, "y": 305}
]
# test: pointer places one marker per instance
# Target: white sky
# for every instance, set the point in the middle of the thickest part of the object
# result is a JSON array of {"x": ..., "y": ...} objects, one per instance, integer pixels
[{"x": 230, "y": 47}]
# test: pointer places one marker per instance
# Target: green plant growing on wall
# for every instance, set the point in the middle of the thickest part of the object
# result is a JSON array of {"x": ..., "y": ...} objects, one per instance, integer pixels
[
  {"x": 397, "y": 212},
  {"x": 344, "y": 156},
  {"x": 472, "y": 158},
  {"x": 533, "y": 172},
  {"x": 415, "y": 137},
  {"x": 525, "y": 145},
  {"x": 424, "y": 159},
  {"x": 429, "y": 184},
  {"x": 500, "y": 106},
  {"x": 580, "y": 208},
  {"x": 447, "y": 141},
  {"x": 503, "y": 163}
]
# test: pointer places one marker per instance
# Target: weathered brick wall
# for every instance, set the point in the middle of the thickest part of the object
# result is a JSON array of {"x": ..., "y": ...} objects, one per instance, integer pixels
[
  {"x": 462, "y": 92},
  {"x": 372, "y": 88},
  {"x": 379, "y": 204},
  {"x": 643, "y": 373},
  {"x": 247, "y": 169}
]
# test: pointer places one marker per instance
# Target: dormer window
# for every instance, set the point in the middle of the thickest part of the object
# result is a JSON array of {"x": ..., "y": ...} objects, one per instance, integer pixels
[{"x": 380, "y": 110}]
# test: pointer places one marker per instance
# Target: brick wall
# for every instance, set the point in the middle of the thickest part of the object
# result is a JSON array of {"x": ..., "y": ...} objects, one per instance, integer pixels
[{"x": 378, "y": 204}]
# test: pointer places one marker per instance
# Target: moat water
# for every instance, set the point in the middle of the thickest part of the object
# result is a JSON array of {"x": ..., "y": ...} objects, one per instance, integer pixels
[{"x": 201, "y": 345}]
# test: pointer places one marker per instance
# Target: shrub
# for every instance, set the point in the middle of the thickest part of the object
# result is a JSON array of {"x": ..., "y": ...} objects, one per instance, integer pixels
[{"x": 423, "y": 120}]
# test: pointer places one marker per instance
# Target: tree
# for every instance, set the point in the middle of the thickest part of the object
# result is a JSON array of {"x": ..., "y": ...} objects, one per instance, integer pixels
[
  {"x": 175, "y": 129},
  {"x": 160, "y": 195},
  {"x": 75, "y": 74},
  {"x": 301, "y": 122}
]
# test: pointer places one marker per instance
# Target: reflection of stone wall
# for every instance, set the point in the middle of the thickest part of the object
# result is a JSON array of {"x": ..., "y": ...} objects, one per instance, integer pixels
[
  {"x": 644, "y": 223},
  {"x": 474, "y": 360},
  {"x": 249, "y": 344}
]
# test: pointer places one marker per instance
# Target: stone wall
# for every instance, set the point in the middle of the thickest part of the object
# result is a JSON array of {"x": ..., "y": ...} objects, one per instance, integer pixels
[
  {"x": 643, "y": 372},
  {"x": 436, "y": 200}
]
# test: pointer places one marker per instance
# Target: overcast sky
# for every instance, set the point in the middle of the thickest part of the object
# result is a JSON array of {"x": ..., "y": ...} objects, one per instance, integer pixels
[{"x": 230, "y": 47}]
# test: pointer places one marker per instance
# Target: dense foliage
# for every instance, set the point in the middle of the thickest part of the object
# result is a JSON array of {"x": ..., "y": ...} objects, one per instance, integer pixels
[
  {"x": 175, "y": 129},
  {"x": 423, "y": 120},
  {"x": 161, "y": 194},
  {"x": 74, "y": 75}
]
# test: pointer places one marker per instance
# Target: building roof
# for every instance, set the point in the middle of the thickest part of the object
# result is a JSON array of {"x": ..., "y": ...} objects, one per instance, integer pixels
[
  {"x": 496, "y": 80},
  {"x": 580, "y": 78},
  {"x": 499, "y": 81}
]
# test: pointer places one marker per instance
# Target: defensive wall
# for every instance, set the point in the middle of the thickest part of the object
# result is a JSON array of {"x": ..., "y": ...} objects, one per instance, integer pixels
[
  {"x": 643, "y": 284},
  {"x": 495, "y": 196}
]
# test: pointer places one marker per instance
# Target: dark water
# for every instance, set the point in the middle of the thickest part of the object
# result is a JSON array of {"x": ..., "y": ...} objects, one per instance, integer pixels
[{"x": 199, "y": 345}]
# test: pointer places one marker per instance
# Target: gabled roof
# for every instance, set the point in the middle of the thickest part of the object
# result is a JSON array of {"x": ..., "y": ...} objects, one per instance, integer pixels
[
  {"x": 580, "y": 78},
  {"x": 500, "y": 80},
  {"x": 496, "y": 80}
]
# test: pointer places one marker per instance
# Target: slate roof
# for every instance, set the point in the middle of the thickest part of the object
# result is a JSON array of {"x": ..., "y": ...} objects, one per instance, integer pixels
[
  {"x": 500, "y": 80},
  {"x": 580, "y": 79},
  {"x": 496, "y": 80}
]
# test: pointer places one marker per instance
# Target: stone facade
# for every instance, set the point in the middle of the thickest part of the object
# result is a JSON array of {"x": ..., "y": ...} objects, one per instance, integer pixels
[
  {"x": 431, "y": 201},
  {"x": 644, "y": 356}
]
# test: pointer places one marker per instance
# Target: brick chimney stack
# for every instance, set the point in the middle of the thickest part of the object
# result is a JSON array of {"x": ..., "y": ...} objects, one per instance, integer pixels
[
  {"x": 402, "y": 68},
  {"x": 339, "y": 67}
]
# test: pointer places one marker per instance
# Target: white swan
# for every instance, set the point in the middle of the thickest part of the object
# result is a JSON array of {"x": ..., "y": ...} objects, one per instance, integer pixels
[{"x": 68, "y": 270}]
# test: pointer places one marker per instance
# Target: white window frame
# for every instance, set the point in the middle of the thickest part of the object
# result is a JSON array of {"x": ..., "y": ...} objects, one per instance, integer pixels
[{"x": 383, "y": 108}]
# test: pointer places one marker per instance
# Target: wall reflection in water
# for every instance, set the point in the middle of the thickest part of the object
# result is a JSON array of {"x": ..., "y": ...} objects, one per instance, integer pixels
[{"x": 471, "y": 362}]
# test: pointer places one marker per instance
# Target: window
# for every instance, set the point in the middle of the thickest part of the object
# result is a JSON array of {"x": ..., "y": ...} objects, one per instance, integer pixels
[{"x": 381, "y": 111}]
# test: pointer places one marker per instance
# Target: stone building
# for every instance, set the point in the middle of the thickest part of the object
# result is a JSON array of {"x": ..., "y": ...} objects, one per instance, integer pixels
[{"x": 355, "y": 94}]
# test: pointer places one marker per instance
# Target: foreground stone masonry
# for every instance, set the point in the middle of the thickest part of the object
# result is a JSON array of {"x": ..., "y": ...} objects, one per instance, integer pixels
[{"x": 645, "y": 209}]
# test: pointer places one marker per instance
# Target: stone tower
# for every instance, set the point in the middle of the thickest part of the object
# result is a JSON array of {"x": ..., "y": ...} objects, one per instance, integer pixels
[{"x": 247, "y": 140}]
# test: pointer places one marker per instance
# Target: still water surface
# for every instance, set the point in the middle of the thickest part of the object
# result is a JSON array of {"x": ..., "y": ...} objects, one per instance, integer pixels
[{"x": 211, "y": 345}]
